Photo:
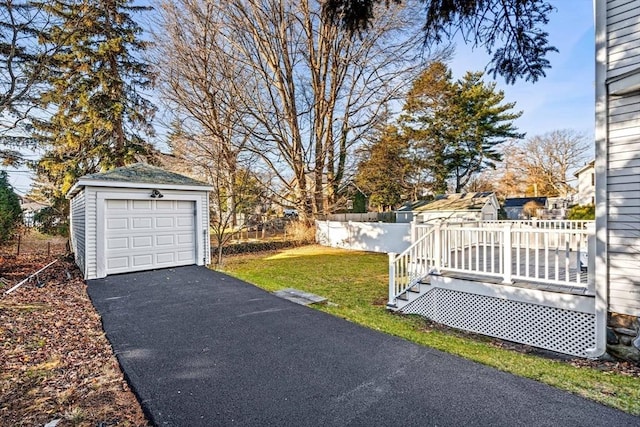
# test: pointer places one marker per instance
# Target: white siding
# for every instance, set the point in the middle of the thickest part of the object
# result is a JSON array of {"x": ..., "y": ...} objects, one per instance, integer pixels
[
  {"x": 623, "y": 165},
  {"x": 623, "y": 36},
  {"x": 78, "y": 229}
]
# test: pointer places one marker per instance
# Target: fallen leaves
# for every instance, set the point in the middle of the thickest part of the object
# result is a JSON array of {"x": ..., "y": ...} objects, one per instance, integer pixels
[{"x": 55, "y": 361}]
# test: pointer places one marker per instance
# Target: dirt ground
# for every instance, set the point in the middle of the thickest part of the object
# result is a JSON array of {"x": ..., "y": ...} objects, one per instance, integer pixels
[{"x": 55, "y": 361}]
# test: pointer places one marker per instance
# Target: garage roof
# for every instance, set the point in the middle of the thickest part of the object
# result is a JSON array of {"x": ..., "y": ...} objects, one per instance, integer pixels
[{"x": 139, "y": 175}]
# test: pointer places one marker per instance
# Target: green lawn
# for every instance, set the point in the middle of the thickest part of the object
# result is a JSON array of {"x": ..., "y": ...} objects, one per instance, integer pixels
[{"x": 355, "y": 284}]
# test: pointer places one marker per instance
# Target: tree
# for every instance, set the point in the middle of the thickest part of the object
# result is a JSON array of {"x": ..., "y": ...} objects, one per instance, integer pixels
[
  {"x": 10, "y": 211},
  {"x": 98, "y": 115},
  {"x": 203, "y": 160},
  {"x": 307, "y": 91},
  {"x": 546, "y": 160},
  {"x": 385, "y": 171},
  {"x": 510, "y": 30},
  {"x": 25, "y": 57},
  {"x": 455, "y": 127}
]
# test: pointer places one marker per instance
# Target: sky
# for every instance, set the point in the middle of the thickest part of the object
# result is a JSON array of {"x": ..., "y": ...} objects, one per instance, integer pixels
[{"x": 564, "y": 99}]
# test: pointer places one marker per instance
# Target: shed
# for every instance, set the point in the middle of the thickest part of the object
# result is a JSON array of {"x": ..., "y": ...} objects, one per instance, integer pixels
[
  {"x": 460, "y": 206},
  {"x": 138, "y": 217},
  {"x": 404, "y": 213},
  {"x": 523, "y": 207}
]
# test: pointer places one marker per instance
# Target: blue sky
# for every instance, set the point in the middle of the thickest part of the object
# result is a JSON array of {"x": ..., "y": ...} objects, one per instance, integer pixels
[{"x": 565, "y": 99}]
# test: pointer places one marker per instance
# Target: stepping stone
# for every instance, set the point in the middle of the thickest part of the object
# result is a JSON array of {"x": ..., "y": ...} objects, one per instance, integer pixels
[{"x": 299, "y": 297}]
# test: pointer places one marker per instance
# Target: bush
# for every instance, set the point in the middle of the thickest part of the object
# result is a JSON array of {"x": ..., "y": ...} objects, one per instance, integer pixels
[
  {"x": 586, "y": 212},
  {"x": 300, "y": 231},
  {"x": 10, "y": 211}
]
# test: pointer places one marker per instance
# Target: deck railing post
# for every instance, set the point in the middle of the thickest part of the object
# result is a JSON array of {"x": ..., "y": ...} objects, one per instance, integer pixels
[
  {"x": 414, "y": 231},
  {"x": 506, "y": 255},
  {"x": 437, "y": 248},
  {"x": 392, "y": 278},
  {"x": 591, "y": 258}
]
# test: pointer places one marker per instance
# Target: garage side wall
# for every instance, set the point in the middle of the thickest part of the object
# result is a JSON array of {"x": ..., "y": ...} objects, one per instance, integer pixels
[{"x": 78, "y": 230}]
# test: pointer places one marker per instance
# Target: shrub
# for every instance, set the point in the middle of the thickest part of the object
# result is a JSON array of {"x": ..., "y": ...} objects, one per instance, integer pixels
[
  {"x": 585, "y": 212},
  {"x": 300, "y": 231},
  {"x": 10, "y": 211}
]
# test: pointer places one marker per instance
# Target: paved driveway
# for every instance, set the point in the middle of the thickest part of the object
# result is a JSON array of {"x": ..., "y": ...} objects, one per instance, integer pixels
[{"x": 200, "y": 348}]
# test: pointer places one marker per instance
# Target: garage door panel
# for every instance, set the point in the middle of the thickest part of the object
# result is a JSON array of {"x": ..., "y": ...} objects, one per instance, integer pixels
[
  {"x": 145, "y": 260},
  {"x": 147, "y": 234},
  {"x": 164, "y": 222},
  {"x": 117, "y": 224},
  {"x": 185, "y": 256},
  {"x": 165, "y": 240},
  {"x": 141, "y": 223},
  {"x": 185, "y": 221},
  {"x": 165, "y": 205},
  {"x": 116, "y": 205},
  {"x": 142, "y": 242},
  {"x": 166, "y": 258},
  {"x": 118, "y": 243},
  {"x": 185, "y": 239},
  {"x": 141, "y": 204},
  {"x": 114, "y": 263}
]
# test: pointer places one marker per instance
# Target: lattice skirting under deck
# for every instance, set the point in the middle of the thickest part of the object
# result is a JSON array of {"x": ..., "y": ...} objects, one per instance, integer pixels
[{"x": 551, "y": 328}]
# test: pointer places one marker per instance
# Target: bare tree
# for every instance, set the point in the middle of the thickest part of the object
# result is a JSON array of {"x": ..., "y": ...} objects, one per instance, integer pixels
[
  {"x": 302, "y": 90},
  {"x": 547, "y": 160}
]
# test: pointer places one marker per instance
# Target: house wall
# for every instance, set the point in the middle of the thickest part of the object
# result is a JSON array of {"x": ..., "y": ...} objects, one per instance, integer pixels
[
  {"x": 586, "y": 187},
  {"x": 92, "y": 196},
  {"x": 618, "y": 152},
  {"x": 78, "y": 229}
]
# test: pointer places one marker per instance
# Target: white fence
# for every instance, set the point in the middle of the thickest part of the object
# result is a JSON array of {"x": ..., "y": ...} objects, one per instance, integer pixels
[{"x": 364, "y": 236}]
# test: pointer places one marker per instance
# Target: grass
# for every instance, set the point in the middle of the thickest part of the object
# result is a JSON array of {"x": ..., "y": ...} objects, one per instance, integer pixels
[{"x": 355, "y": 284}]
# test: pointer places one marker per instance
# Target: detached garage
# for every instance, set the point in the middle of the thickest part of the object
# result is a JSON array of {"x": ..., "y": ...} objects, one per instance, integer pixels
[{"x": 138, "y": 217}]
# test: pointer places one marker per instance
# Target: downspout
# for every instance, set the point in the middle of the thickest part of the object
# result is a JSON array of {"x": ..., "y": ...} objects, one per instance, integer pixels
[{"x": 601, "y": 167}]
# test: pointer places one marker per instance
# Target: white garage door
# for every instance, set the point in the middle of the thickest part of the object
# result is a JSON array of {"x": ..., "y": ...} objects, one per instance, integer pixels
[{"x": 148, "y": 234}]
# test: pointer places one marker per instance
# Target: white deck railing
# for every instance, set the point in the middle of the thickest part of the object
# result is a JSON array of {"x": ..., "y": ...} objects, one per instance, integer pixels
[{"x": 545, "y": 252}]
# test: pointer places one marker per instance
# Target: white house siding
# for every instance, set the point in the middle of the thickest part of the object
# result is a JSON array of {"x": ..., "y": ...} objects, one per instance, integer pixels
[
  {"x": 623, "y": 36},
  {"x": 91, "y": 206},
  {"x": 78, "y": 229},
  {"x": 623, "y": 165}
]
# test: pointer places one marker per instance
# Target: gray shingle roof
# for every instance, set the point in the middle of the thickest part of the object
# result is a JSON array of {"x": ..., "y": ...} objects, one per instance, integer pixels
[
  {"x": 458, "y": 202},
  {"x": 143, "y": 173}
]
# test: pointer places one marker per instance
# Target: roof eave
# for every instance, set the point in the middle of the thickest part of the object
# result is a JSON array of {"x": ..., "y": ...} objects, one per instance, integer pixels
[{"x": 78, "y": 186}]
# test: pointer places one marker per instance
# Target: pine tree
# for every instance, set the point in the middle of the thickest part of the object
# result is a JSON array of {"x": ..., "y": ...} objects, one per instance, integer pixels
[
  {"x": 386, "y": 170},
  {"x": 455, "y": 126},
  {"x": 98, "y": 115},
  {"x": 10, "y": 212}
]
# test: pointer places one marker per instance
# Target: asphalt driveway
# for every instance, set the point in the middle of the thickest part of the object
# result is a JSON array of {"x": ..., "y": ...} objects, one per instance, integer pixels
[{"x": 200, "y": 348}]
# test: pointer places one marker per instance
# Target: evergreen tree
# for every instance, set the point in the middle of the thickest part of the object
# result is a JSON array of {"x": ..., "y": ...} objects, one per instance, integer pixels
[
  {"x": 98, "y": 115},
  {"x": 454, "y": 127},
  {"x": 10, "y": 212},
  {"x": 386, "y": 170}
]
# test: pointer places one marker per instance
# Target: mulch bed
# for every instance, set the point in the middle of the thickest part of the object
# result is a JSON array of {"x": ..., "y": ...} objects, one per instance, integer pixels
[{"x": 55, "y": 361}]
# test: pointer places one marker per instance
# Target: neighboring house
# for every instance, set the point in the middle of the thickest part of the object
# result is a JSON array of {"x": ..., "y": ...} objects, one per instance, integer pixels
[
  {"x": 586, "y": 194},
  {"x": 518, "y": 208},
  {"x": 404, "y": 214},
  {"x": 29, "y": 210},
  {"x": 461, "y": 206},
  {"x": 555, "y": 208},
  {"x": 617, "y": 164}
]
